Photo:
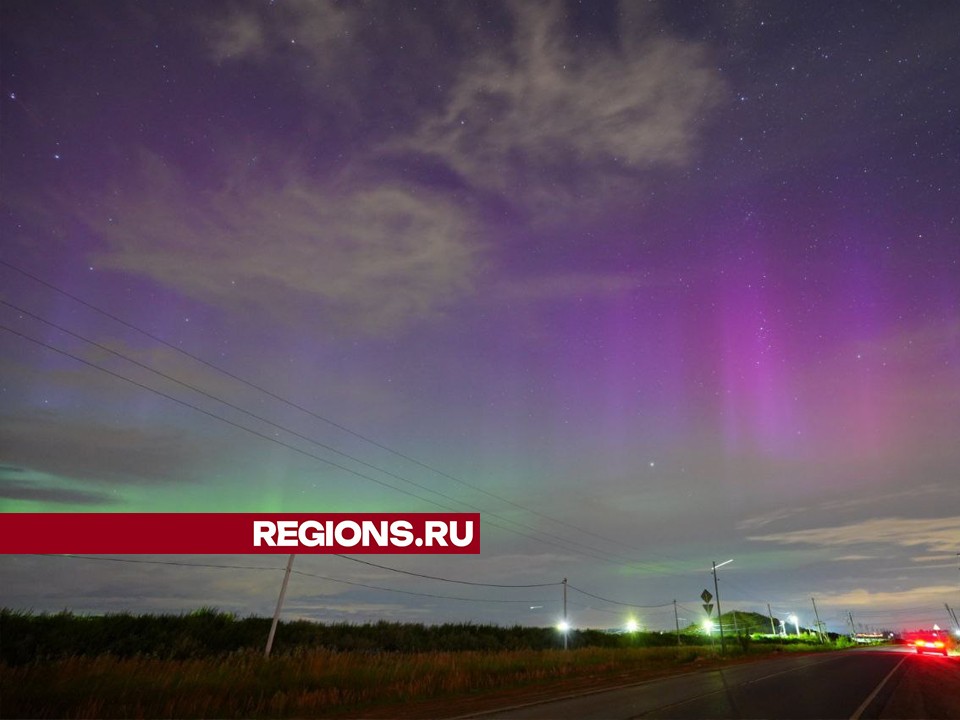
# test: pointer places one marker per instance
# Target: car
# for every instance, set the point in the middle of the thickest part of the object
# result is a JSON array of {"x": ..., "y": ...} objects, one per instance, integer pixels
[{"x": 931, "y": 642}]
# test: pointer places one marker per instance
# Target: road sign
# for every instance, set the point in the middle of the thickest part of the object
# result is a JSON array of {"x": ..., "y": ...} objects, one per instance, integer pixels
[
  {"x": 709, "y": 608},
  {"x": 706, "y": 596}
]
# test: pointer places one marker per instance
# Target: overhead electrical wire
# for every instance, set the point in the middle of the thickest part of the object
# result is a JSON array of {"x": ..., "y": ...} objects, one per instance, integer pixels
[
  {"x": 139, "y": 561},
  {"x": 619, "y": 613},
  {"x": 327, "y": 420},
  {"x": 443, "y": 579},
  {"x": 215, "y": 416},
  {"x": 578, "y": 547},
  {"x": 617, "y": 602},
  {"x": 567, "y": 545},
  {"x": 688, "y": 611},
  {"x": 215, "y": 398},
  {"x": 279, "y": 569},
  {"x": 410, "y": 592},
  {"x": 324, "y": 460}
]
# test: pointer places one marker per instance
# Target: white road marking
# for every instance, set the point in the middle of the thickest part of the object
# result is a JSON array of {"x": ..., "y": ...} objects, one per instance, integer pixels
[{"x": 876, "y": 691}]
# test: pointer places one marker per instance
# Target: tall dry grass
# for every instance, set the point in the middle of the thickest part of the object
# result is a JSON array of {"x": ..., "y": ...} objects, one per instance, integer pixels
[{"x": 318, "y": 683}]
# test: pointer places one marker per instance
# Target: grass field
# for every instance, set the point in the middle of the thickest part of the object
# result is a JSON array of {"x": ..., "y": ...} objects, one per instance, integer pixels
[
  {"x": 317, "y": 683},
  {"x": 211, "y": 665}
]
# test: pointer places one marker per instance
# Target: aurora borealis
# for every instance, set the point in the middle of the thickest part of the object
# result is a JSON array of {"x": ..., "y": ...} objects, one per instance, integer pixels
[{"x": 670, "y": 282}]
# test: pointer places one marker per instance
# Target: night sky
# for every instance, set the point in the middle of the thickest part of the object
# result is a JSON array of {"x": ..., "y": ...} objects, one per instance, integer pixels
[{"x": 650, "y": 285}]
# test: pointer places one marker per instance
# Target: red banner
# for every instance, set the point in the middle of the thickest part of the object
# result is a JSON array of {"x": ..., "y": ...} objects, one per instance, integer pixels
[{"x": 239, "y": 533}]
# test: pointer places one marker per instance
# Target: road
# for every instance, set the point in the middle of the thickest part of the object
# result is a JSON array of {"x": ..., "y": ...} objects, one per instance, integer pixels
[{"x": 850, "y": 684}]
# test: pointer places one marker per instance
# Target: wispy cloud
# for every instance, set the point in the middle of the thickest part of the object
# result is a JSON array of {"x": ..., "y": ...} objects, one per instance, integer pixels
[
  {"x": 87, "y": 450},
  {"x": 32, "y": 489},
  {"x": 525, "y": 115},
  {"x": 843, "y": 506},
  {"x": 925, "y": 595},
  {"x": 307, "y": 27},
  {"x": 364, "y": 258},
  {"x": 933, "y": 535},
  {"x": 853, "y": 558},
  {"x": 857, "y": 503},
  {"x": 540, "y": 117},
  {"x": 760, "y": 521}
]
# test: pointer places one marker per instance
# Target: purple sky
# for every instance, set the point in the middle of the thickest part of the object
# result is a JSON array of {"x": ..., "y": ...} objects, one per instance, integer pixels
[{"x": 650, "y": 284}]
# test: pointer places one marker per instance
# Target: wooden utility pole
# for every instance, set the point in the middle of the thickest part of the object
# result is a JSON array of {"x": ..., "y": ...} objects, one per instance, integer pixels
[
  {"x": 716, "y": 588},
  {"x": 276, "y": 613},
  {"x": 566, "y": 625},
  {"x": 817, "y": 615},
  {"x": 676, "y": 619}
]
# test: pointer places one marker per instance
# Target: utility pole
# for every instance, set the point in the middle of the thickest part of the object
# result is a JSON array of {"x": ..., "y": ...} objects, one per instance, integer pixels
[
  {"x": 716, "y": 588},
  {"x": 853, "y": 627},
  {"x": 773, "y": 628},
  {"x": 817, "y": 615},
  {"x": 276, "y": 613},
  {"x": 566, "y": 626},
  {"x": 953, "y": 615},
  {"x": 676, "y": 619}
]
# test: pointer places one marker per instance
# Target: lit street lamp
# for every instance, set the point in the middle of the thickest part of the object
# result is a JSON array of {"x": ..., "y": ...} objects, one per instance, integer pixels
[
  {"x": 796, "y": 623},
  {"x": 716, "y": 589},
  {"x": 564, "y": 627}
]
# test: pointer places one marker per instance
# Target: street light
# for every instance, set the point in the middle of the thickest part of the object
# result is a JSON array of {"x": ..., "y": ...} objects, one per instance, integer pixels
[
  {"x": 716, "y": 588},
  {"x": 796, "y": 623},
  {"x": 564, "y": 627},
  {"x": 632, "y": 626}
]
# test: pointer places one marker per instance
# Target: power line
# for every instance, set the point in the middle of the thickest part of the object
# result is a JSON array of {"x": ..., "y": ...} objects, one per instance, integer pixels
[
  {"x": 568, "y": 545},
  {"x": 296, "y": 572},
  {"x": 617, "y": 602},
  {"x": 443, "y": 579},
  {"x": 619, "y": 613},
  {"x": 859, "y": 612},
  {"x": 216, "y": 417},
  {"x": 688, "y": 611},
  {"x": 271, "y": 439},
  {"x": 156, "y": 562},
  {"x": 410, "y": 592},
  {"x": 216, "y": 398},
  {"x": 333, "y": 423}
]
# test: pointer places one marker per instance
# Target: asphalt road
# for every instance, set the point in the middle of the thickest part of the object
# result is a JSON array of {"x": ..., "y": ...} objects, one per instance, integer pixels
[{"x": 850, "y": 684}]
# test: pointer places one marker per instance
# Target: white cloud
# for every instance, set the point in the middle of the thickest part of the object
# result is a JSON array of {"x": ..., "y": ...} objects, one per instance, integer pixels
[
  {"x": 527, "y": 112},
  {"x": 933, "y": 535},
  {"x": 854, "y": 557},
  {"x": 45, "y": 444},
  {"x": 924, "y": 595},
  {"x": 367, "y": 258},
  {"x": 313, "y": 27},
  {"x": 238, "y": 35},
  {"x": 541, "y": 114},
  {"x": 760, "y": 521}
]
